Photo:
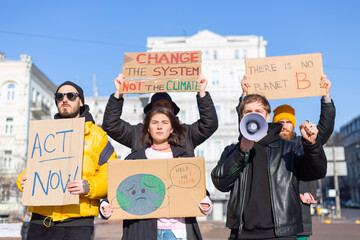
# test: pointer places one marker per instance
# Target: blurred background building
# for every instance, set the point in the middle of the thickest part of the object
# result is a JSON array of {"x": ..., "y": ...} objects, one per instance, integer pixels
[{"x": 26, "y": 94}]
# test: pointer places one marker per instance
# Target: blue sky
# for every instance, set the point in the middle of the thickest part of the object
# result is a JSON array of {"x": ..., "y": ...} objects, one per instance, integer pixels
[{"x": 72, "y": 40}]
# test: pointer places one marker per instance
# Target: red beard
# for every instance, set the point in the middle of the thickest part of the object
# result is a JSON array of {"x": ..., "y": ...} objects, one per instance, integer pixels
[{"x": 286, "y": 135}]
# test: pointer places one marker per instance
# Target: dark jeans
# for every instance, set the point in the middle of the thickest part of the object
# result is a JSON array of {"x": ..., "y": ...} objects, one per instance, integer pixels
[
  {"x": 39, "y": 231},
  {"x": 234, "y": 236},
  {"x": 281, "y": 238}
]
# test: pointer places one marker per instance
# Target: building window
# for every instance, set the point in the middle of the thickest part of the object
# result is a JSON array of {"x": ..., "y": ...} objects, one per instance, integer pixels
[
  {"x": 199, "y": 152},
  {"x": 11, "y": 92},
  {"x": 7, "y": 159},
  {"x": 245, "y": 53},
  {"x": 206, "y": 55},
  {"x": 33, "y": 95},
  {"x": 9, "y": 126},
  {"x": 233, "y": 115},
  {"x": 236, "y": 54},
  {"x": 215, "y": 77},
  {"x": 217, "y": 108},
  {"x": 182, "y": 115},
  {"x": 5, "y": 193},
  {"x": 239, "y": 80},
  {"x": 217, "y": 149},
  {"x": 232, "y": 78}
]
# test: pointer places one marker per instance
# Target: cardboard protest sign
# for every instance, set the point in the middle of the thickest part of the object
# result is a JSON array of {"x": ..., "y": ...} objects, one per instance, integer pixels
[
  {"x": 55, "y": 152},
  {"x": 287, "y": 76},
  {"x": 161, "y": 72},
  {"x": 156, "y": 188}
]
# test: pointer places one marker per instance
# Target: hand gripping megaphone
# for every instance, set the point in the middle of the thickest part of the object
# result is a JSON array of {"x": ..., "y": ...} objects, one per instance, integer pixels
[{"x": 253, "y": 126}]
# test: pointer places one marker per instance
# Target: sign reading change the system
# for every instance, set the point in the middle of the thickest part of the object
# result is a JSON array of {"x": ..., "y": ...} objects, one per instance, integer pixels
[
  {"x": 286, "y": 77},
  {"x": 161, "y": 72},
  {"x": 55, "y": 152}
]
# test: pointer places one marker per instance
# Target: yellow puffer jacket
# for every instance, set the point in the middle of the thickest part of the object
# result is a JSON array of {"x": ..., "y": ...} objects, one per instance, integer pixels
[{"x": 97, "y": 151}]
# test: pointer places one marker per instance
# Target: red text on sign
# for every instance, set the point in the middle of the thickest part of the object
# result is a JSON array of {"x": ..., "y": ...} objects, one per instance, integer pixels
[
  {"x": 170, "y": 58},
  {"x": 303, "y": 82}
]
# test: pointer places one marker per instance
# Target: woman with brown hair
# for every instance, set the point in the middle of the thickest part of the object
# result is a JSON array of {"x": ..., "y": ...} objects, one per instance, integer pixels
[{"x": 162, "y": 133}]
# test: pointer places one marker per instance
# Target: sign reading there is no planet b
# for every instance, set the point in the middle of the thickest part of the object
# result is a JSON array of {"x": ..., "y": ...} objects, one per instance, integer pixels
[{"x": 293, "y": 76}]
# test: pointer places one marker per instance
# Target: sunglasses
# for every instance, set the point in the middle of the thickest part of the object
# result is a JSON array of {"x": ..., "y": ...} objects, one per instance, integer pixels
[{"x": 70, "y": 95}]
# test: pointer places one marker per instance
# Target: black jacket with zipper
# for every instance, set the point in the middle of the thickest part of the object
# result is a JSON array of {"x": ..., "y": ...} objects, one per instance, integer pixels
[
  {"x": 129, "y": 135},
  {"x": 288, "y": 162},
  {"x": 326, "y": 127}
]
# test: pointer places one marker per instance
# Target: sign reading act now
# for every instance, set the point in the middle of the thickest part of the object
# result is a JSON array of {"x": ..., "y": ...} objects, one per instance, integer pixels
[
  {"x": 55, "y": 152},
  {"x": 161, "y": 72}
]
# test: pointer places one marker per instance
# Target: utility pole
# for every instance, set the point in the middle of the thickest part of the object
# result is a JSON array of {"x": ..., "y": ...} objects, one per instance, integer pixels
[
  {"x": 336, "y": 185},
  {"x": 321, "y": 200}
]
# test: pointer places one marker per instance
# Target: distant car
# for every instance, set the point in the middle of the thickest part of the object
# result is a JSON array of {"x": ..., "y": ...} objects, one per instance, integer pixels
[
  {"x": 351, "y": 204},
  {"x": 329, "y": 203}
]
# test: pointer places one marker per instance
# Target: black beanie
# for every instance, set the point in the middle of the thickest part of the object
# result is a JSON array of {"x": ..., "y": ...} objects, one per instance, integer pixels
[{"x": 78, "y": 89}]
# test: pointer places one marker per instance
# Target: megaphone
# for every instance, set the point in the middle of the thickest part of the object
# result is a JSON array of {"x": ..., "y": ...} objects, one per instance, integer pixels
[{"x": 253, "y": 126}]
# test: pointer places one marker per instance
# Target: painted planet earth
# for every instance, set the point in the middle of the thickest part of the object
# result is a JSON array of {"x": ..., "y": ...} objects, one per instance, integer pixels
[{"x": 140, "y": 194}]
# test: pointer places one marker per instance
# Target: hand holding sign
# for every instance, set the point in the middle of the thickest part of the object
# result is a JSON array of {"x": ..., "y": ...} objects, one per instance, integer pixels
[
  {"x": 202, "y": 81},
  {"x": 325, "y": 83},
  {"x": 245, "y": 84},
  {"x": 79, "y": 186},
  {"x": 118, "y": 82},
  {"x": 106, "y": 209},
  {"x": 22, "y": 181}
]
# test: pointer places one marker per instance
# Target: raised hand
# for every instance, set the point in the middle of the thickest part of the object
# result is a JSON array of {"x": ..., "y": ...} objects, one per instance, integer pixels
[
  {"x": 325, "y": 83},
  {"x": 118, "y": 81},
  {"x": 203, "y": 83},
  {"x": 309, "y": 131},
  {"x": 245, "y": 84}
]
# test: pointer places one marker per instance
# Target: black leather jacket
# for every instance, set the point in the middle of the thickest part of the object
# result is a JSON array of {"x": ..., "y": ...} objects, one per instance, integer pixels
[
  {"x": 326, "y": 127},
  {"x": 288, "y": 162}
]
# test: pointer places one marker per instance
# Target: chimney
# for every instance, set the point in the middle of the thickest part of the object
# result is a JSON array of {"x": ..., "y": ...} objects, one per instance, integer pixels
[{"x": 25, "y": 58}]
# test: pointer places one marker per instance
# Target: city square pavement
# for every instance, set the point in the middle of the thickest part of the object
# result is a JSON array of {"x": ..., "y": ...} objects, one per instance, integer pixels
[{"x": 344, "y": 229}]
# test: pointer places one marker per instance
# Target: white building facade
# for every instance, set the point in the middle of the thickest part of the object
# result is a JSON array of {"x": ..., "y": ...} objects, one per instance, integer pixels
[{"x": 25, "y": 94}]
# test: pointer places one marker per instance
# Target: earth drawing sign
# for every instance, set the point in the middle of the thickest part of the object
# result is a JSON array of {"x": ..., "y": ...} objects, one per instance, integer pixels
[
  {"x": 161, "y": 72},
  {"x": 156, "y": 188}
]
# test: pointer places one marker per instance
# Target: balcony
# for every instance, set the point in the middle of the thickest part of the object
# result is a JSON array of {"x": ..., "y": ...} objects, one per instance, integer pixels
[{"x": 39, "y": 110}]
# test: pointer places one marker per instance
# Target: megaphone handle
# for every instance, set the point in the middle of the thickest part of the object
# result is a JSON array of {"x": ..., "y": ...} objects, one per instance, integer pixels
[{"x": 247, "y": 154}]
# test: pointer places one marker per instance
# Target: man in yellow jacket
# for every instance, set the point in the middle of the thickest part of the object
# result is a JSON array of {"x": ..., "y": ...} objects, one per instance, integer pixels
[{"x": 75, "y": 221}]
